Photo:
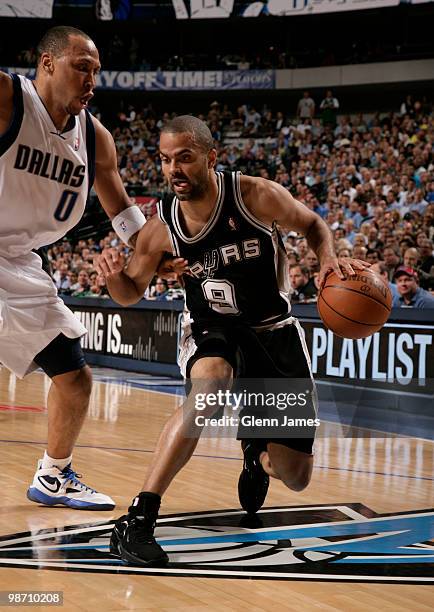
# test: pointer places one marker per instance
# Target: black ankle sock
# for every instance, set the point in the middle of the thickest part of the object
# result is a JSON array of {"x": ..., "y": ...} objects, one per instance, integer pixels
[{"x": 145, "y": 504}]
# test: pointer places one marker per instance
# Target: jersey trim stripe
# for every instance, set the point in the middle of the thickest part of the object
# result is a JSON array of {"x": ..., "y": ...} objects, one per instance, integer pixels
[
  {"x": 11, "y": 134},
  {"x": 91, "y": 150},
  {"x": 172, "y": 237},
  {"x": 281, "y": 271},
  {"x": 243, "y": 208},
  {"x": 212, "y": 221},
  {"x": 160, "y": 212}
]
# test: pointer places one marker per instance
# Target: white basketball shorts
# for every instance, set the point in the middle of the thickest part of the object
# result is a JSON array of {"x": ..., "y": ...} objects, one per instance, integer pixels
[{"x": 31, "y": 313}]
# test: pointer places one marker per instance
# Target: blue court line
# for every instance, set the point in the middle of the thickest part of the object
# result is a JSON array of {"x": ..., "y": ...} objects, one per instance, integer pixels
[{"x": 144, "y": 450}]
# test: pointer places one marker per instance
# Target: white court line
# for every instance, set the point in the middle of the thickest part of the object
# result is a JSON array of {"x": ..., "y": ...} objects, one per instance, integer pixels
[{"x": 190, "y": 571}]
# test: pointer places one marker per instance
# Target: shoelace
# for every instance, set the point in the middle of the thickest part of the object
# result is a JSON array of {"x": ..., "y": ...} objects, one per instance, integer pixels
[{"x": 73, "y": 478}]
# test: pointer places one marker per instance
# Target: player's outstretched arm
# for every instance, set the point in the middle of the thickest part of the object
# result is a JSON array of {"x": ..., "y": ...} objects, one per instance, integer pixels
[
  {"x": 6, "y": 101},
  {"x": 127, "y": 283},
  {"x": 272, "y": 203}
]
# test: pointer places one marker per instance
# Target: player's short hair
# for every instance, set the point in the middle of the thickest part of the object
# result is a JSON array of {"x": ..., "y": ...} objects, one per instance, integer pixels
[
  {"x": 199, "y": 131},
  {"x": 55, "y": 40}
]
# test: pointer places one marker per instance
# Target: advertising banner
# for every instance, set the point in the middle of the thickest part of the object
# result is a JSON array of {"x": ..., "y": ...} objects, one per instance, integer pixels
[
  {"x": 43, "y": 9},
  {"x": 223, "y": 9},
  {"x": 168, "y": 80},
  {"x": 399, "y": 356},
  {"x": 142, "y": 335},
  {"x": 108, "y": 10}
]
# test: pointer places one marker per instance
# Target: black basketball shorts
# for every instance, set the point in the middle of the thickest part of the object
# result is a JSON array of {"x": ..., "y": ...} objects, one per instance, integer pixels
[{"x": 267, "y": 355}]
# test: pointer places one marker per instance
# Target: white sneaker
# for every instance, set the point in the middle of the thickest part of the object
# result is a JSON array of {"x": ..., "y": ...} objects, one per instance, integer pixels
[{"x": 53, "y": 487}]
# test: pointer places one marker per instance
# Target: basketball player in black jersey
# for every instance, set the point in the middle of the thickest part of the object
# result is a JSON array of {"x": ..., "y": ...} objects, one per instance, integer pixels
[{"x": 239, "y": 324}]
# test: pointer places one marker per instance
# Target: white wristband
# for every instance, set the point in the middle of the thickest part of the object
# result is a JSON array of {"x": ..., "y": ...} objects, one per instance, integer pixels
[{"x": 128, "y": 222}]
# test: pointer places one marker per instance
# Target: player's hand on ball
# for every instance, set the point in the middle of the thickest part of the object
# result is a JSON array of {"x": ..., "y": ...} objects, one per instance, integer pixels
[
  {"x": 109, "y": 262},
  {"x": 341, "y": 266}
]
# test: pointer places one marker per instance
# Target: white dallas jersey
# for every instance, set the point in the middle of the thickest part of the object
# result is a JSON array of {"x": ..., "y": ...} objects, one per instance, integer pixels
[{"x": 45, "y": 177}]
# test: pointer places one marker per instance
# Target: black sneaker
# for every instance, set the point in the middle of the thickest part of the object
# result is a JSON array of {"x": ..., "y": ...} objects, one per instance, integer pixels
[
  {"x": 133, "y": 540},
  {"x": 253, "y": 482}
]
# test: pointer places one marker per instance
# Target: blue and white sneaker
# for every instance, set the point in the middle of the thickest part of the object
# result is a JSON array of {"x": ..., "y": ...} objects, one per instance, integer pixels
[{"x": 53, "y": 487}]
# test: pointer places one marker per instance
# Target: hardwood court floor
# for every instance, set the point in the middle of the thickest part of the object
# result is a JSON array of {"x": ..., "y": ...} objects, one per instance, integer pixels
[{"x": 387, "y": 474}]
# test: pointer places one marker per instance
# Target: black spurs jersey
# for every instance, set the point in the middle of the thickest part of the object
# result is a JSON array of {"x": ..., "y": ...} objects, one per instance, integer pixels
[{"x": 239, "y": 268}]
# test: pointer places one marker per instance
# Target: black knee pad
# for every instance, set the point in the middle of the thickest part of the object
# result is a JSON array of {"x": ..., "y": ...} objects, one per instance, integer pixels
[{"x": 62, "y": 355}]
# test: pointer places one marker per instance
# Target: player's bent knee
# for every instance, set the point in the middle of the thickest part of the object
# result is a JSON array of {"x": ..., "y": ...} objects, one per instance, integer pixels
[
  {"x": 209, "y": 375},
  {"x": 293, "y": 467},
  {"x": 77, "y": 383},
  {"x": 209, "y": 369},
  {"x": 297, "y": 482}
]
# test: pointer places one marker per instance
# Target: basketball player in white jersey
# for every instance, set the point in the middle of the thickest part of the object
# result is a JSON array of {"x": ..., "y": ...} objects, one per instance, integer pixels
[{"x": 51, "y": 151}]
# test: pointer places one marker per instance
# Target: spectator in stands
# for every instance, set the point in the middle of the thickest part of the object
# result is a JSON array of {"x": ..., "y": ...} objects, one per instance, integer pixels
[
  {"x": 411, "y": 258},
  {"x": 174, "y": 289},
  {"x": 303, "y": 287},
  {"x": 306, "y": 107},
  {"x": 329, "y": 107},
  {"x": 293, "y": 257},
  {"x": 98, "y": 287},
  {"x": 61, "y": 278},
  {"x": 405, "y": 244},
  {"x": 252, "y": 117},
  {"x": 344, "y": 252},
  {"x": 311, "y": 262},
  {"x": 360, "y": 252},
  {"x": 280, "y": 121},
  {"x": 407, "y": 107},
  {"x": 391, "y": 260},
  {"x": 73, "y": 281},
  {"x": 381, "y": 269},
  {"x": 410, "y": 294},
  {"x": 302, "y": 247},
  {"x": 372, "y": 256},
  {"x": 426, "y": 255},
  {"x": 83, "y": 289},
  {"x": 425, "y": 267},
  {"x": 160, "y": 290}
]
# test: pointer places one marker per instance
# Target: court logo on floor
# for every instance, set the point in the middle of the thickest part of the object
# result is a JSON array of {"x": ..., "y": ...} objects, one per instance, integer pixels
[{"x": 346, "y": 542}]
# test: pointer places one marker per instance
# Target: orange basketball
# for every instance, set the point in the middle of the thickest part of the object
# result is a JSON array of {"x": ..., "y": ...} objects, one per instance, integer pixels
[{"x": 354, "y": 307}]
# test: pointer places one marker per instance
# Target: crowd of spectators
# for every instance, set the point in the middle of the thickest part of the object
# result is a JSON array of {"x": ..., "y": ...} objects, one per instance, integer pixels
[
  {"x": 73, "y": 271},
  {"x": 128, "y": 53},
  {"x": 371, "y": 178}
]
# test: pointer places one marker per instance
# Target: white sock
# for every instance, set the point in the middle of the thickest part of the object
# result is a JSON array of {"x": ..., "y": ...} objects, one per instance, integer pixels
[{"x": 48, "y": 462}]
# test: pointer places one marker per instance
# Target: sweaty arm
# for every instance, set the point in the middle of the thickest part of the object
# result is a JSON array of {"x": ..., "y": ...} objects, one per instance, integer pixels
[
  {"x": 127, "y": 283},
  {"x": 271, "y": 203},
  {"x": 6, "y": 102}
]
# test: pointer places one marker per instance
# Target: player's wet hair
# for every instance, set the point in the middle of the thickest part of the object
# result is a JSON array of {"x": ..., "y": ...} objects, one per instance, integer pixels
[
  {"x": 56, "y": 39},
  {"x": 199, "y": 131}
]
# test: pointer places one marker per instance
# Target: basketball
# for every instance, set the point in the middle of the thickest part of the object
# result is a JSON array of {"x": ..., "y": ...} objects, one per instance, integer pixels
[{"x": 356, "y": 306}]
